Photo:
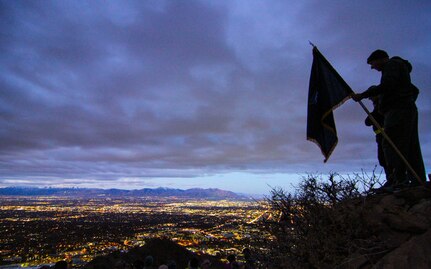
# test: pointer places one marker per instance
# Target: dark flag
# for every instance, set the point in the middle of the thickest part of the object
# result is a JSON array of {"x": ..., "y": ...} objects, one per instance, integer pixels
[{"x": 327, "y": 91}]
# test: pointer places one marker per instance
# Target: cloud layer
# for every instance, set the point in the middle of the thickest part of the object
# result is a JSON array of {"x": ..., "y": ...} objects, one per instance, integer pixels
[{"x": 107, "y": 90}]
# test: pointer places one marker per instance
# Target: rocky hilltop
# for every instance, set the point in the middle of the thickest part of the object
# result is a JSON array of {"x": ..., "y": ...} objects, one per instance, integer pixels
[
  {"x": 399, "y": 223},
  {"x": 333, "y": 223}
]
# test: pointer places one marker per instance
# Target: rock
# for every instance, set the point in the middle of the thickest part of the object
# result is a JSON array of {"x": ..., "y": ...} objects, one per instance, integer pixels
[
  {"x": 393, "y": 239},
  {"x": 415, "y": 253},
  {"x": 422, "y": 209},
  {"x": 402, "y": 223},
  {"x": 405, "y": 222},
  {"x": 390, "y": 201}
]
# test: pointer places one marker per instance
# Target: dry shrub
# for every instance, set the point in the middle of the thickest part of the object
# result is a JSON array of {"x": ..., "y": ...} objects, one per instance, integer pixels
[{"x": 320, "y": 224}]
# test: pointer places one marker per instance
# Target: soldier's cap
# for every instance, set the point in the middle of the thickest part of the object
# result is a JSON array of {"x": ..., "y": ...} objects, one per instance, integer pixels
[{"x": 377, "y": 54}]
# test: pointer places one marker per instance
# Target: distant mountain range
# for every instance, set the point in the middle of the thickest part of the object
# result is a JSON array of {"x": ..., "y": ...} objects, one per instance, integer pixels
[{"x": 146, "y": 192}]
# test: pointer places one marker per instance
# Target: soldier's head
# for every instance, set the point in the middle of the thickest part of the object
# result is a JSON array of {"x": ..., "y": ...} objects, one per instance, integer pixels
[{"x": 378, "y": 59}]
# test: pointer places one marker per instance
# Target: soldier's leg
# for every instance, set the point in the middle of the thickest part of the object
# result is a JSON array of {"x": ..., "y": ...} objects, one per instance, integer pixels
[
  {"x": 415, "y": 154},
  {"x": 381, "y": 155},
  {"x": 395, "y": 123}
]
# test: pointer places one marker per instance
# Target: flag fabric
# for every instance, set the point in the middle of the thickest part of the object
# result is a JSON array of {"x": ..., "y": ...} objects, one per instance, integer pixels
[{"x": 327, "y": 91}]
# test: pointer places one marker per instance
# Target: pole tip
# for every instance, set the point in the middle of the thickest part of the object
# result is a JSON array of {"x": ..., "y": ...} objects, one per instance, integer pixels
[{"x": 311, "y": 44}]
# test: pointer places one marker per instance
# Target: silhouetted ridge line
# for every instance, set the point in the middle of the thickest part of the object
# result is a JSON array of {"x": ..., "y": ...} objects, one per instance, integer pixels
[{"x": 211, "y": 193}]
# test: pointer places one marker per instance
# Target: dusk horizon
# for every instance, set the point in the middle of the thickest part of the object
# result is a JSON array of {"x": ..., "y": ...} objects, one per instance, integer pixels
[{"x": 207, "y": 94}]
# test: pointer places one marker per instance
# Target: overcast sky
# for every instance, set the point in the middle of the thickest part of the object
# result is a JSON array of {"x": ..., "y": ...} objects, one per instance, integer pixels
[{"x": 134, "y": 94}]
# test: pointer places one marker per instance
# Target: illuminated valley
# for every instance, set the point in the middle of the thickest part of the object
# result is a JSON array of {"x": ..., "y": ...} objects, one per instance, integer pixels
[{"x": 38, "y": 230}]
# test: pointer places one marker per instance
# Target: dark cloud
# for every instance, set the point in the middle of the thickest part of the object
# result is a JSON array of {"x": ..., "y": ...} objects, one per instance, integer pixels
[{"x": 95, "y": 91}]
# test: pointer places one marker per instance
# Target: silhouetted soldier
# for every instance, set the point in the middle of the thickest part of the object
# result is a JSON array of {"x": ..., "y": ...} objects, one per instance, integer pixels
[
  {"x": 206, "y": 264},
  {"x": 231, "y": 258},
  {"x": 148, "y": 262},
  {"x": 397, "y": 96},
  {"x": 193, "y": 263},
  {"x": 250, "y": 262},
  {"x": 172, "y": 265},
  {"x": 60, "y": 265}
]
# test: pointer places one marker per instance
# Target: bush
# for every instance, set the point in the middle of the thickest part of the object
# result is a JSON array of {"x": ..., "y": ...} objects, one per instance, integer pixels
[{"x": 320, "y": 224}]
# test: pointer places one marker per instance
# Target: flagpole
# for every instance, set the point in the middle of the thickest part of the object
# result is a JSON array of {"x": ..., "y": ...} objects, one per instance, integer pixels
[
  {"x": 311, "y": 44},
  {"x": 385, "y": 136}
]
